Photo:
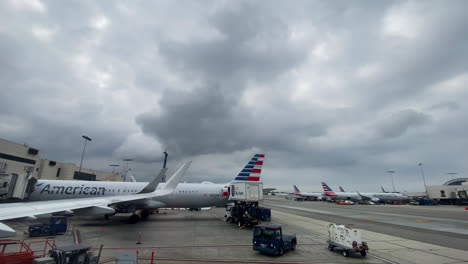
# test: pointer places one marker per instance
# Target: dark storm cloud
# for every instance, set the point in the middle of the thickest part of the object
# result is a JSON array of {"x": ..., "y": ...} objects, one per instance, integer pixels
[
  {"x": 210, "y": 118},
  {"x": 250, "y": 42}
]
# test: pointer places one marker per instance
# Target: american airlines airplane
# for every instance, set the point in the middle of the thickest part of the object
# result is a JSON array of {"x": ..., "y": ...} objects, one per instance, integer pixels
[
  {"x": 186, "y": 195},
  {"x": 87, "y": 205},
  {"x": 307, "y": 195},
  {"x": 373, "y": 197}
]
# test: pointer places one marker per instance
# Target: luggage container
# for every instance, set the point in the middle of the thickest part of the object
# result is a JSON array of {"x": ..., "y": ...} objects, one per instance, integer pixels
[
  {"x": 346, "y": 238},
  {"x": 246, "y": 191}
]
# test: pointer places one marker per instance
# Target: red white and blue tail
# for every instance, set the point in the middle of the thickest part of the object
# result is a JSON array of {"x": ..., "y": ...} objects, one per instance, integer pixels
[
  {"x": 296, "y": 191},
  {"x": 327, "y": 190},
  {"x": 253, "y": 169}
]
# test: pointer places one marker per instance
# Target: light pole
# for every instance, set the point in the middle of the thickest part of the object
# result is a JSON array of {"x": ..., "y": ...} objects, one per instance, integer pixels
[
  {"x": 391, "y": 175},
  {"x": 82, "y": 155},
  {"x": 113, "y": 166},
  {"x": 126, "y": 166},
  {"x": 424, "y": 179}
]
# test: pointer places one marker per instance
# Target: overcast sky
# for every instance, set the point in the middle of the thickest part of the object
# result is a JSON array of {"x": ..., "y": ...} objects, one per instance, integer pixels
[{"x": 335, "y": 91}]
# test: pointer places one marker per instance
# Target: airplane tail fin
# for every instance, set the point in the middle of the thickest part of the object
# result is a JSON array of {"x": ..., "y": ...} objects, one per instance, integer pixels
[
  {"x": 383, "y": 190},
  {"x": 326, "y": 188},
  {"x": 341, "y": 189},
  {"x": 296, "y": 191},
  {"x": 253, "y": 169}
]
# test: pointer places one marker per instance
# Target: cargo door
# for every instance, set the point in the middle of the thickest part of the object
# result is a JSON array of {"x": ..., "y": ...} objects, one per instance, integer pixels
[{"x": 252, "y": 192}]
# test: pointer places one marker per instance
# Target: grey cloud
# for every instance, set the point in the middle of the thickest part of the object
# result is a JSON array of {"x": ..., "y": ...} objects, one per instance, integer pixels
[
  {"x": 220, "y": 81},
  {"x": 453, "y": 106},
  {"x": 252, "y": 43},
  {"x": 398, "y": 123}
]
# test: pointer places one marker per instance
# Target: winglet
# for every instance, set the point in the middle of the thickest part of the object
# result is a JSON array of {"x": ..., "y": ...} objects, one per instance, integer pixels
[
  {"x": 154, "y": 183},
  {"x": 171, "y": 184},
  {"x": 6, "y": 231}
]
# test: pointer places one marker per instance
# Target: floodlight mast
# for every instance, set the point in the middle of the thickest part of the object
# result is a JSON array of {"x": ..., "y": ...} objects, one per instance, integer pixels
[
  {"x": 424, "y": 179},
  {"x": 82, "y": 155}
]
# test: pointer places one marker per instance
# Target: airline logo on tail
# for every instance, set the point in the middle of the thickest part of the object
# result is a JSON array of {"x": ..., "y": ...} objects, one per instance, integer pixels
[
  {"x": 327, "y": 190},
  {"x": 296, "y": 191},
  {"x": 251, "y": 171}
]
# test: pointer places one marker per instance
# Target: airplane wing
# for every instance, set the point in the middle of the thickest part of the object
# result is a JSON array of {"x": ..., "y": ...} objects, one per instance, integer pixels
[
  {"x": 28, "y": 209},
  {"x": 366, "y": 197}
]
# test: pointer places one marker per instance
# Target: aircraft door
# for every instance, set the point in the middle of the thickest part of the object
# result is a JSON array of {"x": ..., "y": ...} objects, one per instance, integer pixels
[{"x": 224, "y": 192}]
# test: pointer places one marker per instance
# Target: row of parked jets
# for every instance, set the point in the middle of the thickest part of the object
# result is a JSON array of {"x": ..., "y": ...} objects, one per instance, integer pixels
[{"x": 352, "y": 196}]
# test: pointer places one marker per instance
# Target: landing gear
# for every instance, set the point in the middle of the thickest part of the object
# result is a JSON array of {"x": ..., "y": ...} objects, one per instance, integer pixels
[
  {"x": 145, "y": 215},
  {"x": 134, "y": 218}
]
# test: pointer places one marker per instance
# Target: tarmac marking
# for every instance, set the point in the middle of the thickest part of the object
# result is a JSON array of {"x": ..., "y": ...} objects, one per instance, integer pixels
[
  {"x": 423, "y": 220},
  {"x": 370, "y": 219}
]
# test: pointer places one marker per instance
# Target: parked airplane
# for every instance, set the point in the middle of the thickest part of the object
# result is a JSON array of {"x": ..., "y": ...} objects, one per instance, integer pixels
[
  {"x": 186, "y": 195},
  {"x": 87, "y": 205},
  {"x": 307, "y": 195},
  {"x": 373, "y": 197},
  {"x": 339, "y": 195}
]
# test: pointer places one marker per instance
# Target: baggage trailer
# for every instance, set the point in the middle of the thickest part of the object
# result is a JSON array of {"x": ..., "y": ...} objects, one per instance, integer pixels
[
  {"x": 56, "y": 225},
  {"x": 247, "y": 214},
  {"x": 346, "y": 238},
  {"x": 245, "y": 210}
]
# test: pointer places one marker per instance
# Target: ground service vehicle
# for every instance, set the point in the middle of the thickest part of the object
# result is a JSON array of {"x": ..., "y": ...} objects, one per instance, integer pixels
[
  {"x": 245, "y": 210},
  {"x": 269, "y": 239},
  {"x": 74, "y": 254},
  {"x": 56, "y": 225},
  {"x": 349, "y": 239}
]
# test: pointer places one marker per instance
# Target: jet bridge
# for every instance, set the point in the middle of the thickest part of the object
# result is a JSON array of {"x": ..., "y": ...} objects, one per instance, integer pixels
[{"x": 16, "y": 187}]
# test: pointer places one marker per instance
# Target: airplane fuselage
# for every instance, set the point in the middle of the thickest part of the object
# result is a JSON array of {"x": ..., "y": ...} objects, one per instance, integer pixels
[
  {"x": 360, "y": 196},
  {"x": 186, "y": 195}
]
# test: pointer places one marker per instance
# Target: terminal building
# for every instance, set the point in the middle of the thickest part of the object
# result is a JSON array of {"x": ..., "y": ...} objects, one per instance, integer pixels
[
  {"x": 452, "y": 192},
  {"x": 21, "y": 166}
]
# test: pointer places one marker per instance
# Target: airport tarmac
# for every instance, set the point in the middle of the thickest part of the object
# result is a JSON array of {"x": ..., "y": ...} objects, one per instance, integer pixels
[
  {"x": 179, "y": 236},
  {"x": 441, "y": 225}
]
